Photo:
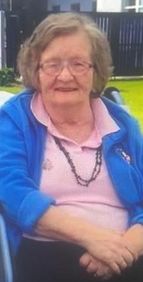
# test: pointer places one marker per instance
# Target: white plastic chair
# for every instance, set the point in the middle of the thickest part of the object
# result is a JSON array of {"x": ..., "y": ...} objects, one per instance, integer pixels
[{"x": 6, "y": 271}]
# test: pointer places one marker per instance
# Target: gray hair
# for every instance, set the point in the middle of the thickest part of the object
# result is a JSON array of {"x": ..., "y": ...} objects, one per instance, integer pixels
[{"x": 59, "y": 24}]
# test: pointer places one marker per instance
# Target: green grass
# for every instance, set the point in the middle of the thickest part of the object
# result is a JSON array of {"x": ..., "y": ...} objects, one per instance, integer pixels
[
  {"x": 132, "y": 93},
  {"x": 11, "y": 89}
]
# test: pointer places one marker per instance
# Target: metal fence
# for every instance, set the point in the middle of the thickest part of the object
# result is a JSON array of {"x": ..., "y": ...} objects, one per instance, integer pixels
[{"x": 124, "y": 32}]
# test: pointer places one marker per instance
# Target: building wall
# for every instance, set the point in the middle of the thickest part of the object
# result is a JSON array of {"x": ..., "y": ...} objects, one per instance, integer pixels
[
  {"x": 109, "y": 5},
  {"x": 87, "y": 5},
  {"x": 65, "y": 5}
]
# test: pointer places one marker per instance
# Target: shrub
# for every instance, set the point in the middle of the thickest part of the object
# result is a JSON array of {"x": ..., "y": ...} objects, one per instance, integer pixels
[{"x": 7, "y": 76}]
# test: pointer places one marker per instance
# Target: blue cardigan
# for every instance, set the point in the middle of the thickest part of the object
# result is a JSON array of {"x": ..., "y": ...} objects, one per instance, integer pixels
[{"x": 22, "y": 140}]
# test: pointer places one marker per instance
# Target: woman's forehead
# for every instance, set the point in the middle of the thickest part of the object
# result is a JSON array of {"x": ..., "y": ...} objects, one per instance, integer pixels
[{"x": 63, "y": 44}]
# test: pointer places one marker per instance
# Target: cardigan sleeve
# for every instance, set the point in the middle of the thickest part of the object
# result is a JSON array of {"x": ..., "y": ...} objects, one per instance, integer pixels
[
  {"x": 127, "y": 177},
  {"x": 21, "y": 200}
]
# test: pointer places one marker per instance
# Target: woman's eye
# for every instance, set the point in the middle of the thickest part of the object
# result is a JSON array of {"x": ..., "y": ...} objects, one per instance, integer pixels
[
  {"x": 52, "y": 65},
  {"x": 78, "y": 66}
]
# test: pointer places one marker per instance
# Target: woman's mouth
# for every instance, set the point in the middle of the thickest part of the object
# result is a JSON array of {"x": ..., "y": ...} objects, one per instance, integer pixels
[{"x": 67, "y": 89}]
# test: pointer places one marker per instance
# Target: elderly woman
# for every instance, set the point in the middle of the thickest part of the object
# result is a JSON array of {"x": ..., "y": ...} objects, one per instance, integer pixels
[{"x": 71, "y": 184}]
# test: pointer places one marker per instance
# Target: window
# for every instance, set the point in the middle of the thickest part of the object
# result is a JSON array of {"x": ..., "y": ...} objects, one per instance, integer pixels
[
  {"x": 56, "y": 8},
  {"x": 132, "y": 2},
  {"x": 94, "y": 6},
  {"x": 134, "y": 5},
  {"x": 75, "y": 7}
]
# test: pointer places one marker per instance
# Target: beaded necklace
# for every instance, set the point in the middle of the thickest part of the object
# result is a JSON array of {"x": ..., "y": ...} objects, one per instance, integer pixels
[{"x": 96, "y": 169}]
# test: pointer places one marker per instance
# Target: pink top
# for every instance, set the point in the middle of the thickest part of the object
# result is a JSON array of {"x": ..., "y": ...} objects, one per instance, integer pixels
[{"x": 98, "y": 202}]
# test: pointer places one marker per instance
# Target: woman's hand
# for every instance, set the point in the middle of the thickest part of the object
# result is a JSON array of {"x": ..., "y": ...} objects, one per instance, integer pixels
[
  {"x": 107, "y": 246},
  {"x": 111, "y": 249},
  {"x": 134, "y": 237},
  {"x": 132, "y": 240},
  {"x": 96, "y": 267}
]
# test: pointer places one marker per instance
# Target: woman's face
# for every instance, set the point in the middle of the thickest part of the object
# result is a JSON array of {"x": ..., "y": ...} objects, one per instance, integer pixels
[{"x": 72, "y": 82}]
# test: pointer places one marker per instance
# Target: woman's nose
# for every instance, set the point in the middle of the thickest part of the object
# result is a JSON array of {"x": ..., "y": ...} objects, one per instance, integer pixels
[{"x": 65, "y": 73}]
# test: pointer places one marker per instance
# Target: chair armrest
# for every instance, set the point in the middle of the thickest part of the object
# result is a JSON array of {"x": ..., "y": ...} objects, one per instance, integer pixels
[{"x": 6, "y": 273}]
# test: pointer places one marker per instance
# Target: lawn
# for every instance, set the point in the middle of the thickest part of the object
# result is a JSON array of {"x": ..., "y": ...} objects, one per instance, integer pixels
[
  {"x": 131, "y": 91},
  {"x": 11, "y": 89}
]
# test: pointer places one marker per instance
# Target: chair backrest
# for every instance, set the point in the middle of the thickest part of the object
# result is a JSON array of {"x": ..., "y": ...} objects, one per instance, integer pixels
[
  {"x": 6, "y": 272},
  {"x": 4, "y": 96},
  {"x": 113, "y": 94}
]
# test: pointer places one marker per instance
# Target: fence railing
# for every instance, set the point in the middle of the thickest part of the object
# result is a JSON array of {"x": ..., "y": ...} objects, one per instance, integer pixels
[{"x": 124, "y": 32}]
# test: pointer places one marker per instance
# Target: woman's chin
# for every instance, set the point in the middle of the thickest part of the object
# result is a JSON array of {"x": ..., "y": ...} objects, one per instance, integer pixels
[{"x": 67, "y": 98}]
